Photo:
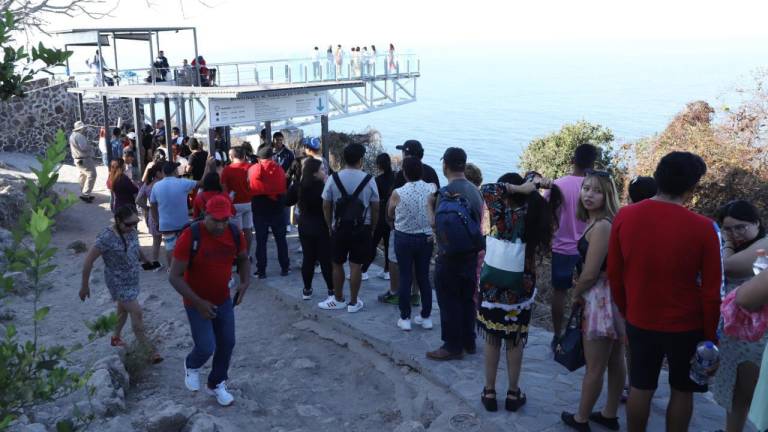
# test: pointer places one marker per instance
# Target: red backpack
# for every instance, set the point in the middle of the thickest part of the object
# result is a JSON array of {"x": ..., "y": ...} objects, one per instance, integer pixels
[{"x": 267, "y": 177}]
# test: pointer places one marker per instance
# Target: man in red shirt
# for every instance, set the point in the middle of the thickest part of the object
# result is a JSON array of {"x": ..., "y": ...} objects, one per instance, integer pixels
[
  {"x": 234, "y": 180},
  {"x": 202, "y": 280},
  {"x": 665, "y": 272}
]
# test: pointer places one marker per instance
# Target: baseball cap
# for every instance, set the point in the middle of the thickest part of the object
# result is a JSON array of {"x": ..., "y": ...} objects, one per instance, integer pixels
[
  {"x": 412, "y": 148},
  {"x": 455, "y": 158},
  {"x": 312, "y": 142},
  {"x": 219, "y": 207},
  {"x": 170, "y": 167}
]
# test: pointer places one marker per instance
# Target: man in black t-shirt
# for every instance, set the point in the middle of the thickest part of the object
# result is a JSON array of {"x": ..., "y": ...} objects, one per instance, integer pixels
[
  {"x": 197, "y": 160},
  {"x": 413, "y": 148}
]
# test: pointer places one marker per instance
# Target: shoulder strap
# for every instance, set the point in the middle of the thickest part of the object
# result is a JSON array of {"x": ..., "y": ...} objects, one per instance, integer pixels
[
  {"x": 235, "y": 236},
  {"x": 361, "y": 186},
  {"x": 339, "y": 185},
  {"x": 194, "y": 246}
]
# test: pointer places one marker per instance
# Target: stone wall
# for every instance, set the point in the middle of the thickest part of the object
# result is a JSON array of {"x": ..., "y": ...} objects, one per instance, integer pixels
[{"x": 29, "y": 124}]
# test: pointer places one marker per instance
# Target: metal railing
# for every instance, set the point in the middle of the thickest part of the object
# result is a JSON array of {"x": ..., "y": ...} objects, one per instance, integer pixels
[{"x": 280, "y": 71}]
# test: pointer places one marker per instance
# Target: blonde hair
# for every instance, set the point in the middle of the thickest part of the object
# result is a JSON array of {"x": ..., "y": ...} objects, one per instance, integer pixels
[
  {"x": 610, "y": 197},
  {"x": 473, "y": 174}
]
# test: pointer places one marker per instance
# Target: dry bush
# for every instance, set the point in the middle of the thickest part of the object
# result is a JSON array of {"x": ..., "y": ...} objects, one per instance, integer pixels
[
  {"x": 370, "y": 139},
  {"x": 734, "y": 168}
]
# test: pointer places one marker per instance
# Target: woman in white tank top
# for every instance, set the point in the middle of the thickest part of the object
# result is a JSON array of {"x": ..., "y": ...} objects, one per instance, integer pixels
[{"x": 410, "y": 207}]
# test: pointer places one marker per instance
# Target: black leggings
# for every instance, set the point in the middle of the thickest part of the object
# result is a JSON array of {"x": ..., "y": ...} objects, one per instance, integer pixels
[
  {"x": 316, "y": 248},
  {"x": 382, "y": 233}
]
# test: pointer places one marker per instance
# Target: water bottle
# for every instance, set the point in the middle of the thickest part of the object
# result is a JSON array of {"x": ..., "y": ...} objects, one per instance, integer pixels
[
  {"x": 704, "y": 360},
  {"x": 761, "y": 263}
]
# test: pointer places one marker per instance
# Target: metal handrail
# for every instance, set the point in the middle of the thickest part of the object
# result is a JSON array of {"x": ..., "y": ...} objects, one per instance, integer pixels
[{"x": 286, "y": 70}]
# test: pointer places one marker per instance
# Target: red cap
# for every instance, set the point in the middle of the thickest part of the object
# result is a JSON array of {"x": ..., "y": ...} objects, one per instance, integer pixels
[{"x": 219, "y": 207}]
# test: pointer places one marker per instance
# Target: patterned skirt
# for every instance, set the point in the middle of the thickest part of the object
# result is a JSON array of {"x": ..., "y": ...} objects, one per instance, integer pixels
[
  {"x": 501, "y": 323},
  {"x": 601, "y": 316}
]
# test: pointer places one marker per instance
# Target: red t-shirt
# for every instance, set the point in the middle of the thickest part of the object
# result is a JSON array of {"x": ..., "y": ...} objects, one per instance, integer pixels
[
  {"x": 234, "y": 178},
  {"x": 212, "y": 268},
  {"x": 198, "y": 205},
  {"x": 664, "y": 268}
]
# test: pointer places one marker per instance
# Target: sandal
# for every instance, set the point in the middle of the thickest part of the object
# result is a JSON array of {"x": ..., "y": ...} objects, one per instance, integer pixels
[
  {"x": 489, "y": 402},
  {"x": 514, "y": 404},
  {"x": 116, "y": 342}
]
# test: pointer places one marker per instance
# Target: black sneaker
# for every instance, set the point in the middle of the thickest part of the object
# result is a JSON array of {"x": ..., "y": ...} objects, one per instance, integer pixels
[
  {"x": 86, "y": 199},
  {"x": 156, "y": 264},
  {"x": 389, "y": 298},
  {"x": 260, "y": 275},
  {"x": 285, "y": 272},
  {"x": 147, "y": 266},
  {"x": 306, "y": 294},
  {"x": 610, "y": 423},
  {"x": 570, "y": 421}
]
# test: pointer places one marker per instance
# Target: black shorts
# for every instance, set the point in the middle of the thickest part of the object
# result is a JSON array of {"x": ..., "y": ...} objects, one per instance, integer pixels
[
  {"x": 355, "y": 246},
  {"x": 647, "y": 349}
]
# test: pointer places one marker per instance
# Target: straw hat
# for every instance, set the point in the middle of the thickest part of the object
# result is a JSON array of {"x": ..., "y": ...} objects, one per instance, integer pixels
[{"x": 79, "y": 126}]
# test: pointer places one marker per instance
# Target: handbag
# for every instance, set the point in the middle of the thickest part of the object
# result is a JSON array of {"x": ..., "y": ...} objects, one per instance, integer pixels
[
  {"x": 569, "y": 350},
  {"x": 740, "y": 323}
]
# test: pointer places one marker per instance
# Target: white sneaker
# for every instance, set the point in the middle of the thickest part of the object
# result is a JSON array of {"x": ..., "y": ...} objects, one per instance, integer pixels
[
  {"x": 386, "y": 276},
  {"x": 332, "y": 304},
  {"x": 425, "y": 323},
  {"x": 356, "y": 307},
  {"x": 191, "y": 378},
  {"x": 365, "y": 276},
  {"x": 223, "y": 397},
  {"x": 404, "y": 324}
]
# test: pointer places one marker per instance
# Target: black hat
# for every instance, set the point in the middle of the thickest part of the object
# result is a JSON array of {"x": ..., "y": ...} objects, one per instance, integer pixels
[
  {"x": 455, "y": 158},
  {"x": 412, "y": 148},
  {"x": 170, "y": 167},
  {"x": 265, "y": 152}
]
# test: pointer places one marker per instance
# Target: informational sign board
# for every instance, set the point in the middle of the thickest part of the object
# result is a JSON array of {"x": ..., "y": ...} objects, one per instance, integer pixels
[{"x": 232, "y": 112}]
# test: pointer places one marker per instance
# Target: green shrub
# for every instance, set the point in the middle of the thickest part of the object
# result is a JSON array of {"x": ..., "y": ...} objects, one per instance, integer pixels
[
  {"x": 551, "y": 155},
  {"x": 102, "y": 325},
  {"x": 31, "y": 373}
]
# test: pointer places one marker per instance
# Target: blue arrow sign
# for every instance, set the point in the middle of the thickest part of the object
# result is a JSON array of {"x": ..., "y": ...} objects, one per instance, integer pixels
[{"x": 320, "y": 106}]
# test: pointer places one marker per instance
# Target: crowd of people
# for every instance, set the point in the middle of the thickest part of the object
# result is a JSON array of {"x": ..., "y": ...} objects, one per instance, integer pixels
[
  {"x": 647, "y": 277},
  {"x": 353, "y": 62}
]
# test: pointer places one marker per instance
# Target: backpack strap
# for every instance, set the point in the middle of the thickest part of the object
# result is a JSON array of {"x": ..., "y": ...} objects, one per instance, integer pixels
[
  {"x": 361, "y": 186},
  {"x": 339, "y": 185},
  {"x": 194, "y": 246},
  {"x": 235, "y": 236}
]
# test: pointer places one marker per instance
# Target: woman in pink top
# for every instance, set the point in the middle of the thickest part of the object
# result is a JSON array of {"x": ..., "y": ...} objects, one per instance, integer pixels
[{"x": 565, "y": 255}]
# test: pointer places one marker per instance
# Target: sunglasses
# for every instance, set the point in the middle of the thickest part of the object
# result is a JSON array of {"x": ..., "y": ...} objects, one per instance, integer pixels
[{"x": 596, "y": 173}]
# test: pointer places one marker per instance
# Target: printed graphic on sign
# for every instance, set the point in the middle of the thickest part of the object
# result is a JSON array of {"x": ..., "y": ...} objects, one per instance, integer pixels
[{"x": 231, "y": 112}]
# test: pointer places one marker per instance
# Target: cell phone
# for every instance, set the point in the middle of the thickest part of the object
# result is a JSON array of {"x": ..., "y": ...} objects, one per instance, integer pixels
[{"x": 237, "y": 298}]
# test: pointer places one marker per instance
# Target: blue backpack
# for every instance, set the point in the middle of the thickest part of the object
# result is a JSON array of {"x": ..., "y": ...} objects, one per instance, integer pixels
[{"x": 457, "y": 228}]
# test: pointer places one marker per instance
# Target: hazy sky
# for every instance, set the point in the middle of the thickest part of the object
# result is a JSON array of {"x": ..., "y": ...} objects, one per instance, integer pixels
[{"x": 243, "y": 25}]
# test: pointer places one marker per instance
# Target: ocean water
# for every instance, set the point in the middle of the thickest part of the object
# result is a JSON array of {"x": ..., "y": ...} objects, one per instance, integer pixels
[{"x": 493, "y": 103}]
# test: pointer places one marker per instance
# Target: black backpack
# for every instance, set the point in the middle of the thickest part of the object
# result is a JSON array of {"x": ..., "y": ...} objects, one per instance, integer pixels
[
  {"x": 195, "y": 245},
  {"x": 349, "y": 210}
]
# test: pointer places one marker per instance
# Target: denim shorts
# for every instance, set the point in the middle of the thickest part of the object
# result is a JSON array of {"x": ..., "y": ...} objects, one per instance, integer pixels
[
  {"x": 169, "y": 239},
  {"x": 563, "y": 268}
]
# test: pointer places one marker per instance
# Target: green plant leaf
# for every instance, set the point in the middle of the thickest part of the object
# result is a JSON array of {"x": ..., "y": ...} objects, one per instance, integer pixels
[{"x": 41, "y": 313}]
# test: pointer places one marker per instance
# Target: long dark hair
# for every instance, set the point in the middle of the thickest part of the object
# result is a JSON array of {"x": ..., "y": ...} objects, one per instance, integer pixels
[
  {"x": 744, "y": 211},
  {"x": 116, "y": 169},
  {"x": 153, "y": 170},
  {"x": 308, "y": 180},
  {"x": 212, "y": 183},
  {"x": 538, "y": 216}
]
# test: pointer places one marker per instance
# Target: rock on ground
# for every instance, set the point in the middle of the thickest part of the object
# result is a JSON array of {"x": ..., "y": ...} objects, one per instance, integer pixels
[
  {"x": 110, "y": 381},
  {"x": 410, "y": 426},
  {"x": 171, "y": 417}
]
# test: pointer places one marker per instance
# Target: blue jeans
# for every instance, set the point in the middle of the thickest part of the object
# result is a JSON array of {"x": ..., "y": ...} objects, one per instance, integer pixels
[
  {"x": 214, "y": 337},
  {"x": 455, "y": 282},
  {"x": 262, "y": 223},
  {"x": 413, "y": 253}
]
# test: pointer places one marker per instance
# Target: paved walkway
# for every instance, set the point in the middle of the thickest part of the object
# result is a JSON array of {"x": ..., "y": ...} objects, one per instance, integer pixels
[{"x": 551, "y": 389}]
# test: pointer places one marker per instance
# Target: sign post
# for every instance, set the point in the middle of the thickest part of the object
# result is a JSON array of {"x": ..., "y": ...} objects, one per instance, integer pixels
[{"x": 233, "y": 112}]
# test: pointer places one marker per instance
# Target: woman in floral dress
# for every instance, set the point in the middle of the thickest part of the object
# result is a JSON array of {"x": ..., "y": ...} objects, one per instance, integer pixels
[{"x": 520, "y": 226}]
